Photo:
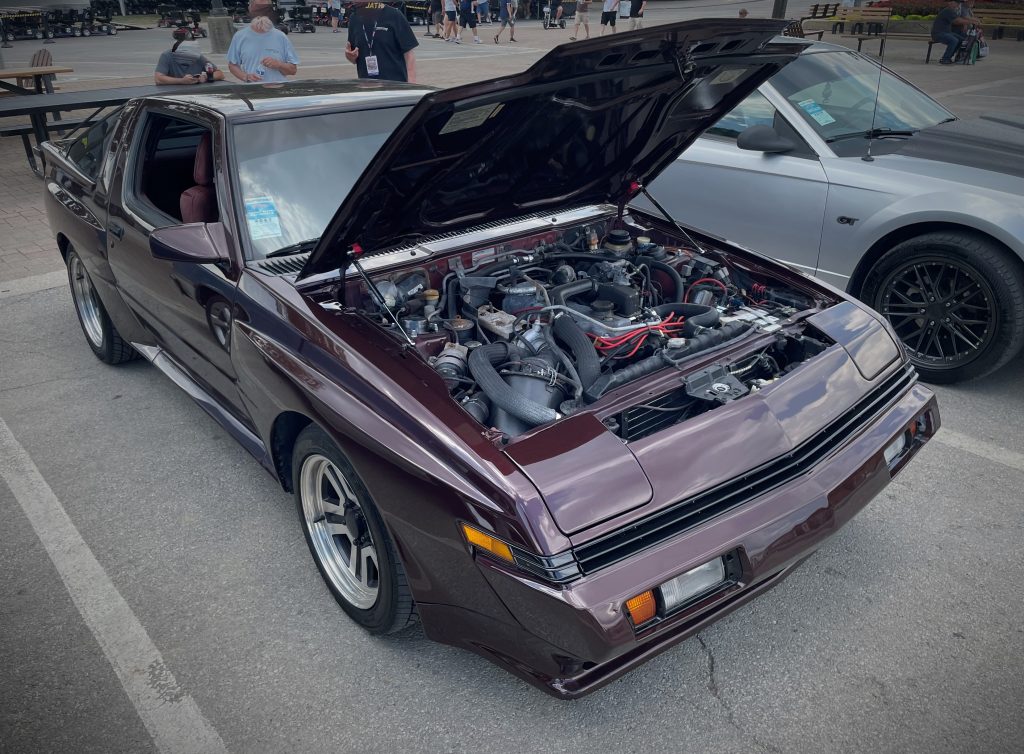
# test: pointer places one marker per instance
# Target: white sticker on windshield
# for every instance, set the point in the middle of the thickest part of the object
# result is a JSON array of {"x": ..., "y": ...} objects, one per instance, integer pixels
[
  {"x": 261, "y": 215},
  {"x": 470, "y": 118},
  {"x": 817, "y": 112}
]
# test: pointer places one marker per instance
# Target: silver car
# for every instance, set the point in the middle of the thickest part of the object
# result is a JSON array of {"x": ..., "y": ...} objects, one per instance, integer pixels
[{"x": 927, "y": 226}]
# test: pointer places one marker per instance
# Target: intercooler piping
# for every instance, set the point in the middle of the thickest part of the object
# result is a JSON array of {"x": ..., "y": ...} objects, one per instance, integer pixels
[
  {"x": 482, "y": 362},
  {"x": 588, "y": 364},
  {"x": 667, "y": 357}
]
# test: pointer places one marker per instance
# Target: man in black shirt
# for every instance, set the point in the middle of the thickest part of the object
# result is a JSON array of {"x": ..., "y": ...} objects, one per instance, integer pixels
[
  {"x": 381, "y": 43},
  {"x": 942, "y": 29}
]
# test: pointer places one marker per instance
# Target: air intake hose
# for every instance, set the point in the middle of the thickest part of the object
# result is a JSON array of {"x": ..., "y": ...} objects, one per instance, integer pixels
[
  {"x": 588, "y": 364},
  {"x": 697, "y": 317},
  {"x": 677, "y": 280},
  {"x": 482, "y": 362},
  {"x": 660, "y": 360}
]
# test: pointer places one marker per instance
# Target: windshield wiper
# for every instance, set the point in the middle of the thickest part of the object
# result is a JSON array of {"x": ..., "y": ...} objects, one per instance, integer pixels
[
  {"x": 294, "y": 248},
  {"x": 872, "y": 133}
]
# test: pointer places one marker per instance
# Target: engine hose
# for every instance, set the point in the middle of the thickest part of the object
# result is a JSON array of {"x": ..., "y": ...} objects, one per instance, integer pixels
[
  {"x": 482, "y": 361},
  {"x": 560, "y": 293},
  {"x": 588, "y": 364},
  {"x": 669, "y": 270},
  {"x": 697, "y": 317},
  {"x": 660, "y": 360},
  {"x": 584, "y": 256},
  {"x": 565, "y": 361}
]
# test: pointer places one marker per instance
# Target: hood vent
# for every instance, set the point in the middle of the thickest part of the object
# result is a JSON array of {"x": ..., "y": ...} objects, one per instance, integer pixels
[{"x": 289, "y": 265}]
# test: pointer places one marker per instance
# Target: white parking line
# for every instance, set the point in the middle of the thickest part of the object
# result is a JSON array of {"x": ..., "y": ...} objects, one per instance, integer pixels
[
  {"x": 168, "y": 712},
  {"x": 980, "y": 448}
]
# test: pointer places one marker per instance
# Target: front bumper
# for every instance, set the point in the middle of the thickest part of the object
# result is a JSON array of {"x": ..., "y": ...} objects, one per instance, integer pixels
[{"x": 572, "y": 640}]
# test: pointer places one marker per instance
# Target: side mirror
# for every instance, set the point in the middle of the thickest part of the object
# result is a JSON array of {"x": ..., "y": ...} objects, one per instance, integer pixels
[
  {"x": 764, "y": 139},
  {"x": 198, "y": 243}
]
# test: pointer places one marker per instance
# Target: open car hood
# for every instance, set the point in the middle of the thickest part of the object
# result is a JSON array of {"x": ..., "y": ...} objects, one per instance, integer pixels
[{"x": 589, "y": 123}]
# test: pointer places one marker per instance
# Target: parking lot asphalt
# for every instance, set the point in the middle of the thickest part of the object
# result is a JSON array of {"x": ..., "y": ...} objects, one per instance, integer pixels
[{"x": 156, "y": 592}]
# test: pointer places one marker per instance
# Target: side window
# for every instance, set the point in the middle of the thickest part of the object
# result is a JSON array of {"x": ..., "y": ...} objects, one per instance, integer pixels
[
  {"x": 88, "y": 149},
  {"x": 755, "y": 110},
  {"x": 168, "y": 156}
]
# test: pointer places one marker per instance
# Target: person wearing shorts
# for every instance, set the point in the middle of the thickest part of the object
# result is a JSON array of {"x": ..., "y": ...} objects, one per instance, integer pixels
[
  {"x": 335, "y": 14},
  {"x": 609, "y": 14},
  {"x": 636, "y": 14},
  {"x": 467, "y": 20},
  {"x": 434, "y": 16},
  {"x": 451, "y": 16},
  {"x": 483, "y": 13},
  {"x": 582, "y": 18},
  {"x": 507, "y": 16}
]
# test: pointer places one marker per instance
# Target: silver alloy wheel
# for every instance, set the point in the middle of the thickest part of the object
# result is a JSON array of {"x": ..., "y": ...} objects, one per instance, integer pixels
[
  {"x": 86, "y": 302},
  {"x": 339, "y": 533}
]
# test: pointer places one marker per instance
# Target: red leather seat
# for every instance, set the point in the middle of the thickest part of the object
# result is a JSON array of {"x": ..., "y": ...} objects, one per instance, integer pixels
[{"x": 199, "y": 203}]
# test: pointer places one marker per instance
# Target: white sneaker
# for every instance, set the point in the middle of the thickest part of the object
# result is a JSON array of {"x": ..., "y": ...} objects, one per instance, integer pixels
[{"x": 476, "y": 40}]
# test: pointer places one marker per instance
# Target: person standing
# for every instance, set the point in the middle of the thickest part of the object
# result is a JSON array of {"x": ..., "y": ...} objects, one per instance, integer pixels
[
  {"x": 259, "y": 52},
  {"x": 624, "y": 6},
  {"x": 636, "y": 14},
  {"x": 451, "y": 32},
  {"x": 435, "y": 15},
  {"x": 483, "y": 12},
  {"x": 185, "y": 65},
  {"x": 335, "y": 15},
  {"x": 582, "y": 18},
  {"x": 467, "y": 20},
  {"x": 608, "y": 14},
  {"x": 507, "y": 16},
  {"x": 381, "y": 43}
]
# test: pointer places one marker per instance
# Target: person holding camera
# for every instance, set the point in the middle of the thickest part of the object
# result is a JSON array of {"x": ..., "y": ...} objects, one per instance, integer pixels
[{"x": 184, "y": 64}]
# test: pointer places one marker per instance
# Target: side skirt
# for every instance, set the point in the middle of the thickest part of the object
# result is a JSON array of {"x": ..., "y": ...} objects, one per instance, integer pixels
[{"x": 162, "y": 361}]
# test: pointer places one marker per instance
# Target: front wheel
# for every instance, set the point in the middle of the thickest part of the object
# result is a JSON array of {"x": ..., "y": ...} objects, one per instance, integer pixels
[
  {"x": 100, "y": 333},
  {"x": 347, "y": 538},
  {"x": 956, "y": 300}
]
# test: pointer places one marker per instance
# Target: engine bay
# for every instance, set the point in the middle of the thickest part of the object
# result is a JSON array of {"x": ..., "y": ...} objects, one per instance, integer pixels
[{"x": 527, "y": 332}]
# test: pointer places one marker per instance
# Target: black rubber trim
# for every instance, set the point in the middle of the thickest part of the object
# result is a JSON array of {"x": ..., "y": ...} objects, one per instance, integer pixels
[{"x": 694, "y": 511}]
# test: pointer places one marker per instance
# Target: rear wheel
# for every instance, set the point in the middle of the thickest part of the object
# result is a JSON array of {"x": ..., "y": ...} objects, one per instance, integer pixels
[
  {"x": 955, "y": 300},
  {"x": 347, "y": 538},
  {"x": 100, "y": 333}
]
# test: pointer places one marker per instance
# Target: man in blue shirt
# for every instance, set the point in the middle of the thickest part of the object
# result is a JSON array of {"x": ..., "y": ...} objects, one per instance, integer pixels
[
  {"x": 260, "y": 52},
  {"x": 942, "y": 30}
]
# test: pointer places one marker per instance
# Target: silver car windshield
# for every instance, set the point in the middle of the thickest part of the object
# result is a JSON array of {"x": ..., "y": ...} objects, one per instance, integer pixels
[
  {"x": 835, "y": 93},
  {"x": 295, "y": 172}
]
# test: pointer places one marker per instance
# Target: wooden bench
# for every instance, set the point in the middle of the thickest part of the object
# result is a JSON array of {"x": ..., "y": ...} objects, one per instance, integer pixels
[
  {"x": 822, "y": 10},
  {"x": 996, "y": 22},
  {"x": 25, "y": 130},
  {"x": 796, "y": 29},
  {"x": 861, "y": 20}
]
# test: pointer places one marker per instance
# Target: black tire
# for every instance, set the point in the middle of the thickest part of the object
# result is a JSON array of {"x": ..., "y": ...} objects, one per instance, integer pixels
[
  {"x": 955, "y": 299},
  {"x": 106, "y": 342},
  {"x": 394, "y": 609}
]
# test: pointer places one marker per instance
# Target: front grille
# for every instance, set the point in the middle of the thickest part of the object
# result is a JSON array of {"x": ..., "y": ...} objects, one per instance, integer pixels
[
  {"x": 284, "y": 265},
  {"x": 689, "y": 513}
]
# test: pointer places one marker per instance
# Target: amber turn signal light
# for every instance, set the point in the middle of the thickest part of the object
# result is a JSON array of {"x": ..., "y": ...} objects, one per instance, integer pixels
[
  {"x": 642, "y": 607},
  {"x": 485, "y": 541}
]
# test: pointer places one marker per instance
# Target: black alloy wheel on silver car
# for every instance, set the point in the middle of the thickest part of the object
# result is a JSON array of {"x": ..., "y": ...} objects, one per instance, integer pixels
[
  {"x": 100, "y": 333},
  {"x": 956, "y": 300},
  {"x": 347, "y": 538}
]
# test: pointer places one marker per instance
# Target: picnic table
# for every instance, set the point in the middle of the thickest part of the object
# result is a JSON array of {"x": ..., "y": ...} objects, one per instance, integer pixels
[
  {"x": 41, "y": 76},
  {"x": 98, "y": 100}
]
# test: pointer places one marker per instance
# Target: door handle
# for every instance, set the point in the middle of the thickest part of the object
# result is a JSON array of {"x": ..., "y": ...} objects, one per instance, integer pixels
[{"x": 116, "y": 230}]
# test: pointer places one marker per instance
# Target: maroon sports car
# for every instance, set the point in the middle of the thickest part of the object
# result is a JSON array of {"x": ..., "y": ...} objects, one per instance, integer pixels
[{"x": 561, "y": 433}]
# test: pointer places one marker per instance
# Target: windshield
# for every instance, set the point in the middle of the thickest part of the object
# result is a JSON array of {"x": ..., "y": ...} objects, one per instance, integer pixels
[
  {"x": 295, "y": 172},
  {"x": 835, "y": 94}
]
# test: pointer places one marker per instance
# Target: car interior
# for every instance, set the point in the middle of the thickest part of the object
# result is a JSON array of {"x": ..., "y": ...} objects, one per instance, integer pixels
[{"x": 176, "y": 174}]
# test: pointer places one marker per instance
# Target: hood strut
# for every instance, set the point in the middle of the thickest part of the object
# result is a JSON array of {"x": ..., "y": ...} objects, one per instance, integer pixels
[{"x": 353, "y": 259}]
